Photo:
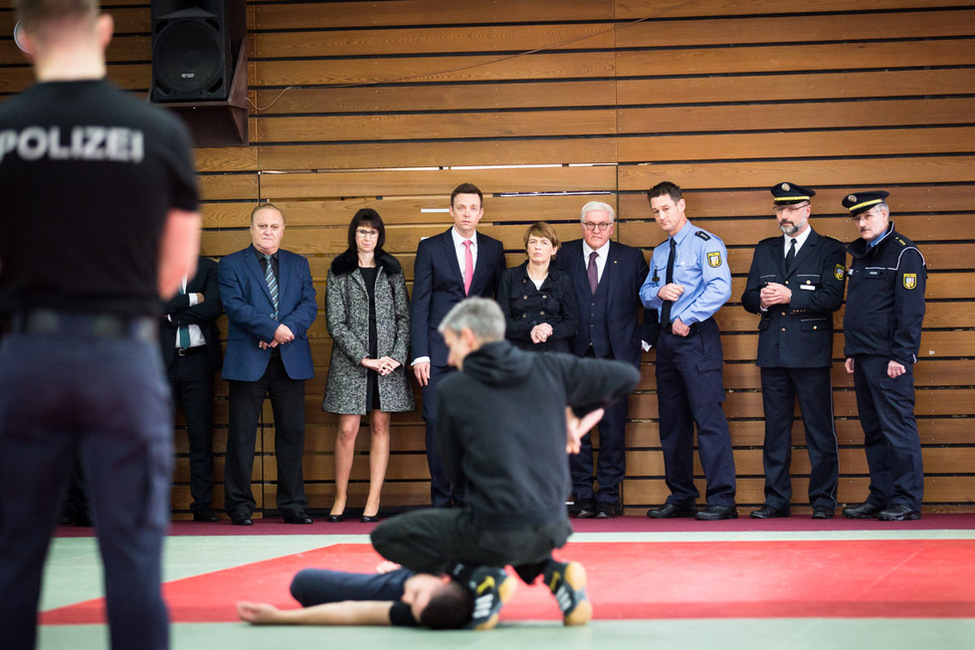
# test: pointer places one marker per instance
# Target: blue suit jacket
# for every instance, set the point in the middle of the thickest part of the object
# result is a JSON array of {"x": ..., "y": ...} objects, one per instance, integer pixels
[
  {"x": 247, "y": 301},
  {"x": 438, "y": 285},
  {"x": 625, "y": 271}
]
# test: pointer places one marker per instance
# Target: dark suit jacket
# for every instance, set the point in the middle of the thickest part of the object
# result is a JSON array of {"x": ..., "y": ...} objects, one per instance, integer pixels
[
  {"x": 438, "y": 285},
  {"x": 799, "y": 334},
  {"x": 178, "y": 312},
  {"x": 625, "y": 271},
  {"x": 247, "y": 301}
]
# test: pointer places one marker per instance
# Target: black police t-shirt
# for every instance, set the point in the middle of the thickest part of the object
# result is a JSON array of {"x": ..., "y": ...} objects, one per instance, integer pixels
[{"x": 88, "y": 174}]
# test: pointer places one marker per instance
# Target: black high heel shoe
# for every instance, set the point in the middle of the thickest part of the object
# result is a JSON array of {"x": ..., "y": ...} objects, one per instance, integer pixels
[
  {"x": 366, "y": 519},
  {"x": 334, "y": 519}
]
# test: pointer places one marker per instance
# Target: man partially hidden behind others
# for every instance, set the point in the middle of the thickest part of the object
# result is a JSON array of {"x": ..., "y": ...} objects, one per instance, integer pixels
[{"x": 100, "y": 222}]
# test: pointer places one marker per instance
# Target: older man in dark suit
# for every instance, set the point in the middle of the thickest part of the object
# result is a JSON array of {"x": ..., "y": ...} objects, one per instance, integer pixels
[
  {"x": 449, "y": 267},
  {"x": 270, "y": 302},
  {"x": 191, "y": 353},
  {"x": 795, "y": 284},
  {"x": 606, "y": 277}
]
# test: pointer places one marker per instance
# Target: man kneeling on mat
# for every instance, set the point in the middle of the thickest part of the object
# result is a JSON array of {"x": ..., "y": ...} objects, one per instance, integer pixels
[
  {"x": 504, "y": 423},
  {"x": 394, "y": 596}
]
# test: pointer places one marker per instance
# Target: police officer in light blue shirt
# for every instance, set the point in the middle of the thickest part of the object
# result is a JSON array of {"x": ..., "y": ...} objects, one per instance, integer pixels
[{"x": 689, "y": 280}]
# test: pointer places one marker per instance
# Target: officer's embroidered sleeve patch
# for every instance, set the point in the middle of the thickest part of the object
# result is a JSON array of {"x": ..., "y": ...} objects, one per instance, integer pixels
[
  {"x": 838, "y": 272},
  {"x": 714, "y": 259},
  {"x": 910, "y": 281}
]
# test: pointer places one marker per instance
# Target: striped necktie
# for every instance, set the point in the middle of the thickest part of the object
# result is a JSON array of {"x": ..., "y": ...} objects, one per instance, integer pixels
[
  {"x": 183, "y": 331},
  {"x": 272, "y": 283}
]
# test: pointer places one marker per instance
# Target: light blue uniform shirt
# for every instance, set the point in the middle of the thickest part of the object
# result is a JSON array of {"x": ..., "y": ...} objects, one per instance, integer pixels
[{"x": 701, "y": 267}]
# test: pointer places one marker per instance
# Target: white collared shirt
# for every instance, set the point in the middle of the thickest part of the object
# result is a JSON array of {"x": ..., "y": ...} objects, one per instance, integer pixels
[
  {"x": 460, "y": 249},
  {"x": 602, "y": 254},
  {"x": 800, "y": 240}
]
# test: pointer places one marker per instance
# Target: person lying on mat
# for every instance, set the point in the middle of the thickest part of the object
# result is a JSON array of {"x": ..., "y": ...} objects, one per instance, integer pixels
[{"x": 394, "y": 596}]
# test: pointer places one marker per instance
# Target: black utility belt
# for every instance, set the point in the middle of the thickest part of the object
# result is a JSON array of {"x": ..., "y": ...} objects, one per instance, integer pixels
[
  {"x": 694, "y": 328},
  {"x": 83, "y": 324}
]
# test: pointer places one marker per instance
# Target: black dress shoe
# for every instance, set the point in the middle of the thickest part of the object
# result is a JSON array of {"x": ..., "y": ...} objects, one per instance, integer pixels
[
  {"x": 204, "y": 513},
  {"x": 863, "y": 511},
  {"x": 241, "y": 520},
  {"x": 587, "y": 509},
  {"x": 768, "y": 512},
  {"x": 370, "y": 519},
  {"x": 714, "y": 513},
  {"x": 334, "y": 519},
  {"x": 822, "y": 512},
  {"x": 297, "y": 517},
  {"x": 671, "y": 511},
  {"x": 899, "y": 512},
  {"x": 605, "y": 510}
]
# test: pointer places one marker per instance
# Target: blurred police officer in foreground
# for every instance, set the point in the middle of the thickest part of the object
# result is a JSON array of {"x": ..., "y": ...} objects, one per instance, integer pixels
[{"x": 100, "y": 222}]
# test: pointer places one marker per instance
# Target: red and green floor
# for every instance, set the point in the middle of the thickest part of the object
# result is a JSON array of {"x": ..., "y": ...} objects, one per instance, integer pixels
[{"x": 740, "y": 584}]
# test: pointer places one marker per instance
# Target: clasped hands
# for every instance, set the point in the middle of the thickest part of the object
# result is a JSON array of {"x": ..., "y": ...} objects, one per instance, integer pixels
[
  {"x": 382, "y": 365},
  {"x": 541, "y": 332},
  {"x": 774, "y": 293},
  {"x": 282, "y": 335}
]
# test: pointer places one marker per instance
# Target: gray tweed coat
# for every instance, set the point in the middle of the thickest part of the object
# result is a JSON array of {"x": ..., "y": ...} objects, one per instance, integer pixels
[{"x": 347, "y": 319}]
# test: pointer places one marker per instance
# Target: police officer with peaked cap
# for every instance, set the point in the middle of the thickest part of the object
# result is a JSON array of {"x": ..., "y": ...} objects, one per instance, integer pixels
[
  {"x": 795, "y": 284},
  {"x": 882, "y": 328}
]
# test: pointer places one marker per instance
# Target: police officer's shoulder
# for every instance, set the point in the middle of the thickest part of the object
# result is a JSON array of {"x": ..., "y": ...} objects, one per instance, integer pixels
[{"x": 703, "y": 235}]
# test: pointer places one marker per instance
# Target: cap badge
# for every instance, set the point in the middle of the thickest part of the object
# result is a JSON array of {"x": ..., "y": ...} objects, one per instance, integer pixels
[
  {"x": 852, "y": 198},
  {"x": 785, "y": 187}
]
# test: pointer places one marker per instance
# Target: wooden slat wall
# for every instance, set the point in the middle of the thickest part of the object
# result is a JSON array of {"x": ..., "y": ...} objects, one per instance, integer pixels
[{"x": 390, "y": 104}]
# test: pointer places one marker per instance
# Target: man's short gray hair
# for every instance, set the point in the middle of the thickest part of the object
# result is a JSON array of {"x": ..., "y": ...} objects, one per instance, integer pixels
[
  {"x": 597, "y": 205},
  {"x": 481, "y": 316}
]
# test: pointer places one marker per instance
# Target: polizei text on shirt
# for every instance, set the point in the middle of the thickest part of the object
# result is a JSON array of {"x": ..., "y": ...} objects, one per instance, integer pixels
[{"x": 110, "y": 143}]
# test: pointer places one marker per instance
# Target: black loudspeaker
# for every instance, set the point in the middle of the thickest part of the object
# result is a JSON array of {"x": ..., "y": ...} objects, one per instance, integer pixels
[{"x": 192, "y": 51}]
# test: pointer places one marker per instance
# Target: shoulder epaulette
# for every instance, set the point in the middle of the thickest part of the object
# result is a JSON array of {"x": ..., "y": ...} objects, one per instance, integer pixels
[
  {"x": 703, "y": 235},
  {"x": 900, "y": 241}
]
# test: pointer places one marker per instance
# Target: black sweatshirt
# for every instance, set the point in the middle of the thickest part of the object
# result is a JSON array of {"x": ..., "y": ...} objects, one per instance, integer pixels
[{"x": 501, "y": 428}]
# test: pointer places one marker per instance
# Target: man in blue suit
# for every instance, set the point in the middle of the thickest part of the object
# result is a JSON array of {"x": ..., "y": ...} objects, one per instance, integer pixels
[
  {"x": 606, "y": 277},
  {"x": 270, "y": 303},
  {"x": 449, "y": 267}
]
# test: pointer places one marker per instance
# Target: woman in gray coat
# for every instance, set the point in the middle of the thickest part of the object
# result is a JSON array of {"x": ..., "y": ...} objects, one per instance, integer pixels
[{"x": 368, "y": 318}]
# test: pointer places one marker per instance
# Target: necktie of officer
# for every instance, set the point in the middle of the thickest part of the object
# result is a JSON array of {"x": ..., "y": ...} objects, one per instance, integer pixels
[
  {"x": 468, "y": 266},
  {"x": 593, "y": 272},
  {"x": 272, "y": 283},
  {"x": 183, "y": 331},
  {"x": 668, "y": 305},
  {"x": 790, "y": 257}
]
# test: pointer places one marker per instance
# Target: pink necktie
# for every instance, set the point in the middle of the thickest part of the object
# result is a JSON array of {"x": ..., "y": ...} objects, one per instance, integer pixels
[{"x": 468, "y": 266}]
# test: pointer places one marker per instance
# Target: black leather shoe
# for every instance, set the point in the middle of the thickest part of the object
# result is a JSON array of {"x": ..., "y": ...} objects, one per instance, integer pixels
[
  {"x": 297, "y": 517},
  {"x": 605, "y": 510},
  {"x": 899, "y": 512},
  {"x": 714, "y": 513},
  {"x": 241, "y": 520},
  {"x": 768, "y": 512},
  {"x": 863, "y": 511},
  {"x": 822, "y": 512},
  {"x": 671, "y": 511},
  {"x": 334, "y": 519},
  {"x": 369, "y": 519},
  {"x": 204, "y": 513},
  {"x": 587, "y": 509}
]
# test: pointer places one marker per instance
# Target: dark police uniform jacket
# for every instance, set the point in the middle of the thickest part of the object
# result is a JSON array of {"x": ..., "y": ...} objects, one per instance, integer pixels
[
  {"x": 798, "y": 334},
  {"x": 885, "y": 301}
]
